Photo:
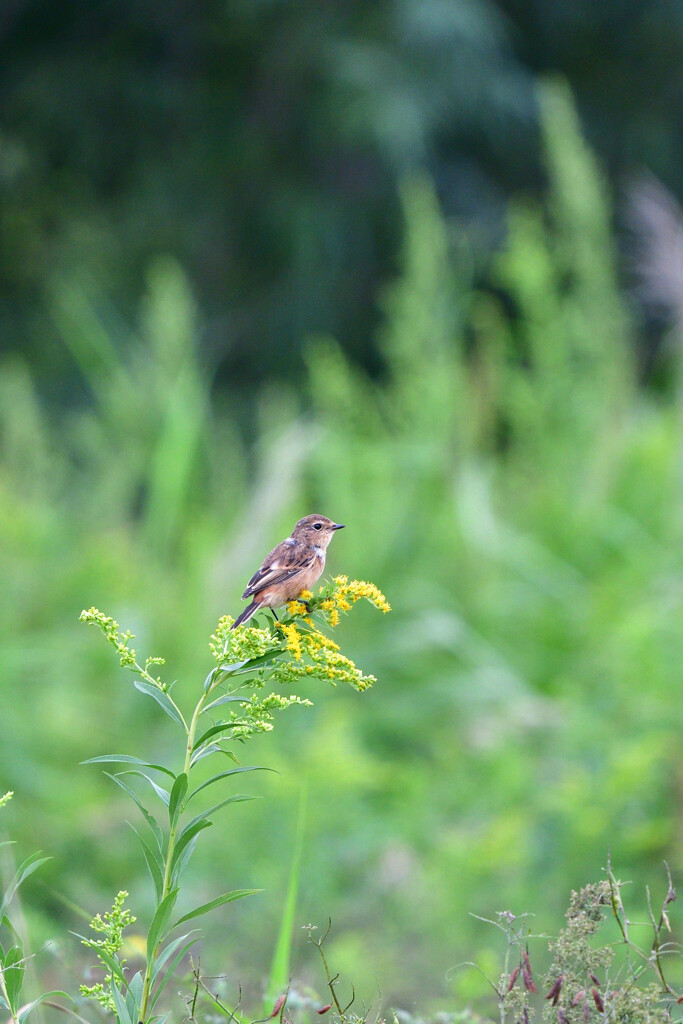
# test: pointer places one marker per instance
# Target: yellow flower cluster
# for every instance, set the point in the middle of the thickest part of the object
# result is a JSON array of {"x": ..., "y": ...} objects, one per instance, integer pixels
[
  {"x": 292, "y": 637},
  {"x": 340, "y": 599},
  {"x": 347, "y": 593},
  {"x": 316, "y": 655}
]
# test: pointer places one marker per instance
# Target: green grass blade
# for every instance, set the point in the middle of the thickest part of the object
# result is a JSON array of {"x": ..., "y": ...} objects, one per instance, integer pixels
[{"x": 279, "y": 969}]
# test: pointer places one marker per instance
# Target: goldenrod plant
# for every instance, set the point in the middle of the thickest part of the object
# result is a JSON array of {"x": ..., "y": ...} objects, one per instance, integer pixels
[{"x": 236, "y": 703}]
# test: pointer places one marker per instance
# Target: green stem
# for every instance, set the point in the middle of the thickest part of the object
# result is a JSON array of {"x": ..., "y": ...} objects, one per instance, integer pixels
[{"x": 191, "y": 731}]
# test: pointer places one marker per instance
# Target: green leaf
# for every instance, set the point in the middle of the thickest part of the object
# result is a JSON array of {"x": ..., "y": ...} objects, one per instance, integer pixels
[
  {"x": 111, "y": 962},
  {"x": 224, "y": 775},
  {"x": 134, "y": 995},
  {"x": 172, "y": 966},
  {"x": 184, "y": 859},
  {"x": 215, "y": 730},
  {"x": 236, "y": 799},
  {"x": 163, "y": 700},
  {"x": 188, "y": 833},
  {"x": 25, "y": 1010},
  {"x": 209, "y": 679},
  {"x": 162, "y": 793},
  {"x": 158, "y": 926},
  {"x": 154, "y": 863},
  {"x": 227, "y": 897},
  {"x": 122, "y": 1013},
  {"x": 149, "y": 818},
  {"x": 26, "y": 869},
  {"x": 127, "y": 759},
  {"x": 211, "y": 748},
  {"x": 176, "y": 799},
  {"x": 13, "y": 972},
  {"x": 170, "y": 950},
  {"x": 263, "y": 659},
  {"x": 227, "y": 698}
]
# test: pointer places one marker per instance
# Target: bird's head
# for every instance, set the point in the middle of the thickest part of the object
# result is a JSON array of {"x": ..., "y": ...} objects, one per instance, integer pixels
[{"x": 315, "y": 530}]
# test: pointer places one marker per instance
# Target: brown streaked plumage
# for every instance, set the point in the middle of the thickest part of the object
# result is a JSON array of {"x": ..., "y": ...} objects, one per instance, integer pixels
[{"x": 294, "y": 565}]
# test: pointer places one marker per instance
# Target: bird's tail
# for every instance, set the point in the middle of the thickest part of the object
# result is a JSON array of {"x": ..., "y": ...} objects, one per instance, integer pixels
[{"x": 246, "y": 613}]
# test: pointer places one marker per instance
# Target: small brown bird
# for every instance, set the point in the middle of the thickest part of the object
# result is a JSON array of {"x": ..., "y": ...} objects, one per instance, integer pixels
[{"x": 294, "y": 565}]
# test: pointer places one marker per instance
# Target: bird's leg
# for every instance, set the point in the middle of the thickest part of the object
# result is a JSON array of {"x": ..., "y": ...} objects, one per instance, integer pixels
[{"x": 275, "y": 614}]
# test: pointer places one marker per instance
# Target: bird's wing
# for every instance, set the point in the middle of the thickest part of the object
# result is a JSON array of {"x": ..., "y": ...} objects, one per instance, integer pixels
[{"x": 283, "y": 562}]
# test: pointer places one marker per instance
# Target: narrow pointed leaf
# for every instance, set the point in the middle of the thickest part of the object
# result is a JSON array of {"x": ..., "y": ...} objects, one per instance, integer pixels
[
  {"x": 122, "y": 1013},
  {"x": 113, "y": 964},
  {"x": 27, "y": 868},
  {"x": 247, "y": 666},
  {"x": 186, "y": 836},
  {"x": 214, "y": 731},
  {"x": 163, "y": 700},
  {"x": 25, "y": 1010},
  {"x": 127, "y": 759},
  {"x": 162, "y": 793},
  {"x": 224, "y": 775},
  {"x": 159, "y": 923},
  {"x": 227, "y": 897},
  {"x": 184, "y": 859},
  {"x": 175, "y": 803},
  {"x": 171, "y": 970},
  {"x": 149, "y": 818},
  {"x": 227, "y": 698},
  {"x": 13, "y": 974},
  {"x": 153, "y": 862},
  {"x": 134, "y": 996},
  {"x": 236, "y": 799},
  {"x": 168, "y": 952},
  {"x": 212, "y": 748}
]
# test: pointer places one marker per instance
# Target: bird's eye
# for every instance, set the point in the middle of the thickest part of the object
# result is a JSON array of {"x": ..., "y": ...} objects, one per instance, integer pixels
[{"x": 317, "y": 526}]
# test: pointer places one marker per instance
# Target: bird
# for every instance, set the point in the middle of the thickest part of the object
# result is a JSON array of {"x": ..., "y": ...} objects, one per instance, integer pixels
[{"x": 294, "y": 565}]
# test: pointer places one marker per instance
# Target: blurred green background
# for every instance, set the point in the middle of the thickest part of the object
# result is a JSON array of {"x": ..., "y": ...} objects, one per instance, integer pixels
[{"x": 406, "y": 264}]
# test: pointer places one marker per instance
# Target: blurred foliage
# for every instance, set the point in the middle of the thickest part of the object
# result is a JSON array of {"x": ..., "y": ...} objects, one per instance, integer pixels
[
  {"x": 263, "y": 145},
  {"x": 516, "y": 496}
]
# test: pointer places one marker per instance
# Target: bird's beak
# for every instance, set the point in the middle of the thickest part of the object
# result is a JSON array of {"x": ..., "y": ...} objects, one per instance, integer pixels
[{"x": 338, "y": 526}]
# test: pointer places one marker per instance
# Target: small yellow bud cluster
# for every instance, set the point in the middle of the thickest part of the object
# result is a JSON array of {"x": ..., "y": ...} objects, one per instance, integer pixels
[
  {"x": 6, "y": 798},
  {"x": 110, "y": 629},
  {"x": 258, "y": 714},
  {"x": 232, "y": 645},
  {"x": 111, "y": 926}
]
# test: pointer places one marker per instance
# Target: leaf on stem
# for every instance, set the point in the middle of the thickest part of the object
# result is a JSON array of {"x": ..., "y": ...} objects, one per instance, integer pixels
[
  {"x": 163, "y": 699},
  {"x": 127, "y": 759},
  {"x": 162, "y": 793},
  {"x": 25, "y": 1010},
  {"x": 175, "y": 803},
  {"x": 227, "y": 897},
  {"x": 186, "y": 836},
  {"x": 172, "y": 947},
  {"x": 122, "y": 1013},
  {"x": 224, "y": 775},
  {"x": 26, "y": 869},
  {"x": 154, "y": 863},
  {"x": 149, "y": 818},
  {"x": 228, "y": 698},
  {"x": 158, "y": 926},
  {"x": 13, "y": 974}
]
